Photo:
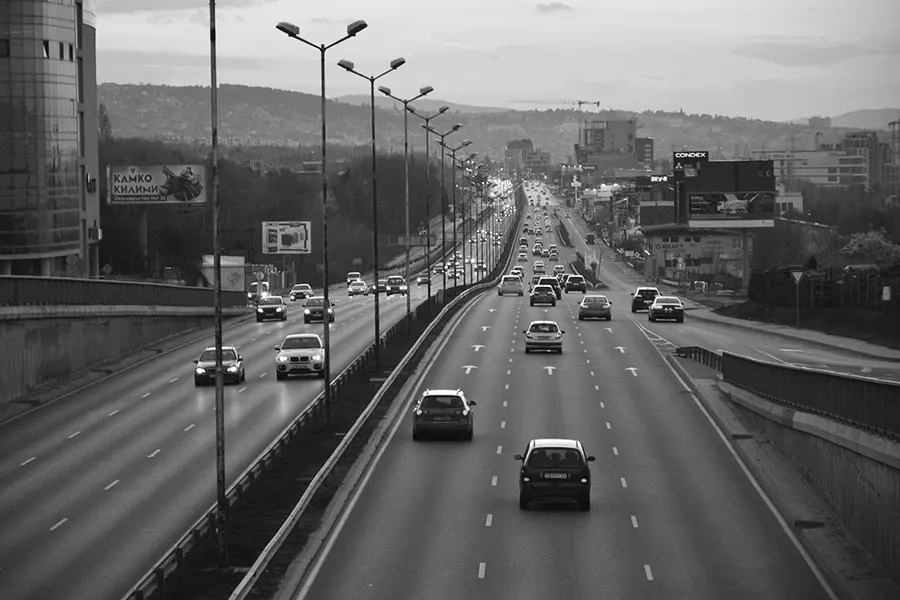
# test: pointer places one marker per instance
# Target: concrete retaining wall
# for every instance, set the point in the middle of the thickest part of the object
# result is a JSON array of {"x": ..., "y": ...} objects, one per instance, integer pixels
[
  {"x": 856, "y": 472},
  {"x": 43, "y": 345}
]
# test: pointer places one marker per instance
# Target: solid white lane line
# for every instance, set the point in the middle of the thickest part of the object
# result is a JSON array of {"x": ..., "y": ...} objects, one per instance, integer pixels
[
  {"x": 146, "y": 395},
  {"x": 263, "y": 375},
  {"x": 59, "y": 524},
  {"x": 189, "y": 427},
  {"x": 112, "y": 413},
  {"x": 502, "y": 424},
  {"x": 634, "y": 522},
  {"x": 74, "y": 434},
  {"x": 489, "y": 520},
  {"x": 608, "y": 426},
  {"x": 154, "y": 453},
  {"x": 499, "y": 449},
  {"x": 173, "y": 380},
  {"x": 481, "y": 568},
  {"x": 242, "y": 390},
  {"x": 28, "y": 461},
  {"x": 615, "y": 451},
  {"x": 648, "y": 572},
  {"x": 111, "y": 485},
  {"x": 624, "y": 483}
]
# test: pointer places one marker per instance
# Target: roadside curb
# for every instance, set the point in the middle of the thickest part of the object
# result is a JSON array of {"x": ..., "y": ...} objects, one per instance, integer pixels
[
  {"x": 817, "y": 529},
  {"x": 786, "y": 336}
]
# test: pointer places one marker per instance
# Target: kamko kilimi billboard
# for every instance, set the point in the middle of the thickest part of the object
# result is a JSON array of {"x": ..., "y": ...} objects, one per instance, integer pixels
[
  {"x": 156, "y": 184},
  {"x": 724, "y": 194}
]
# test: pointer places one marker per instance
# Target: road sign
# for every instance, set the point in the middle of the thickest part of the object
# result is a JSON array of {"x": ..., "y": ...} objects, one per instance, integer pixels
[
  {"x": 797, "y": 274},
  {"x": 107, "y": 269},
  {"x": 320, "y": 268},
  {"x": 286, "y": 237},
  {"x": 260, "y": 275}
]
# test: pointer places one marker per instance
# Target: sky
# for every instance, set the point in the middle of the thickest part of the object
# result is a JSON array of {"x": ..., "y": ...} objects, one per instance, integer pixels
[{"x": 767, "y": 59}]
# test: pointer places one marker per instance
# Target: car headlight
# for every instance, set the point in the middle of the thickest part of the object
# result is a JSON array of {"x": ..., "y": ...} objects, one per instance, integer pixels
[
  {"x": 281, "y": 358},
  {"x": 305, "y": 311},
  {"x": 200, "y": 371},
  {"x": 279, "y": 309},
  {"x": 330, "y": 311},
  {"x": 249, "y": 295},
  {"x": 419, "y": 413},
  {"x": 317, "y": 357},
  {"x": 259, "y": 310},
  {"x": 232, "y": 369}
]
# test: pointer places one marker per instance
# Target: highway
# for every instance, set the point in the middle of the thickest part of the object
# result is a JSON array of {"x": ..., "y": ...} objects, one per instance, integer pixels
[
  {"x": 673, "y": 515},
  {"x": 96, "y": 487},
  {"x": 718, "y": 337}
]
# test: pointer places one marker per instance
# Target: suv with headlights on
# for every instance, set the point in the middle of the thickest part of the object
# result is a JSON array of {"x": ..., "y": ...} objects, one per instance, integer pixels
[
  {"x": 642, "y": 298},
  {"x": 271, "y": 307},
  {"x": 554, "y": 469},
  {"x": 301, "y": 291},
  {"x": 315, "y": 310},
  {"x": 552, "y": 282},
  {"x": 300, "y": 354},
  {"x": 232, "y": 366},
  {"x": 396, "y": 285},
  {"x": 444, "y": 412}
]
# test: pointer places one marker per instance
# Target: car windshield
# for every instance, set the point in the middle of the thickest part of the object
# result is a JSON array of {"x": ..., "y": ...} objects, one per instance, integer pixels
[
  {"x": 543, "y": 289},
  {"x": 274, "y": 300},
  {"x": 548, "y": 458},
  {"x": 596, "y": 300},
  {"x": 395, "y": 280},
  {"x": 298, "y": 343},
  {"x": 210, "y": 355},
  {"x": 353, "y": 275},
  {"x": 552, "y": 282},
  {"x": 510, "y": 279},
  {"x": 315, "y": 302},
  {"x": 664, "y": 300},
  {"x": 357, "y": 284},
  {"x": 382, "y": 282},
  {"x": 647, "y": 293},
  {"x": 435, "y": 402},
  {"x": 544, "y": 328},
  {"x": 575, "y": 279},
  {"x": 301, "y": 287}
]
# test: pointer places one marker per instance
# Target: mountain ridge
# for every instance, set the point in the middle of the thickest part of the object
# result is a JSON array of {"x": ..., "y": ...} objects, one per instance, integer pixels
[{"x": 428, "y": 105}]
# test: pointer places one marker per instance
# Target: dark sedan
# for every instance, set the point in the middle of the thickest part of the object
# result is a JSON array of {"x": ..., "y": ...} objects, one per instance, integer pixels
[
  {"x": 271, "y": 307},
  {"x": 315, "y": 310},
  {"x": 667, "y": 307},
  {"x": 595, "y": 307},
  {"x": 232, "y": 366}
]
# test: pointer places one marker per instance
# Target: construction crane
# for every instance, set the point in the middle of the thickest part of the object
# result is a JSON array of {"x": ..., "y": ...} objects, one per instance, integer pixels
[{"x": 578, "y": 103}]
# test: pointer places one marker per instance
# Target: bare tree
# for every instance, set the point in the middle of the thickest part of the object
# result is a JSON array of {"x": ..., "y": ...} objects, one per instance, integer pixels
[{"x": 104, "y": 124}]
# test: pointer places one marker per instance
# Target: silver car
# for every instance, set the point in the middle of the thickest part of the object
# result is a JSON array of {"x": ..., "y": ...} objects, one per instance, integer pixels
[{"x": 300, "y": 354}]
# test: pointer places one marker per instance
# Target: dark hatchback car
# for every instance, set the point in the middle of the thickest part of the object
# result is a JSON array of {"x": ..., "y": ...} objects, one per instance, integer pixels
[
  {"x": 554, "y": 469},
  {"x": 642, "y": 298},
  {"x": 552, "y": 282},
  {"x": 542, "y": 294},
  {"x": 271, "y": 307},
  {"x": 444, "y": 412},
  {"x": 576, "y": 283},
  {"x": 668, "y": 308},
  {"x": 232, "y": 366},
  {"x": 315, "y": 310}
]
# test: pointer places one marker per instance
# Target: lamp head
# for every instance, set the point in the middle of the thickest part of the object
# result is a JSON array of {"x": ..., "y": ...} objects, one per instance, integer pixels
[
  {"x": 346, "y": 65},
  {"x": 355, "y": 27},
  {"x": 384, "y": 90},
  {"x": 288, "y": 29},
  {"x": 397, "y": 63},
  {"x": 424, "y": 91},
  {"x": 457, "y": 127},
  {"x": 443, "y": 109}
]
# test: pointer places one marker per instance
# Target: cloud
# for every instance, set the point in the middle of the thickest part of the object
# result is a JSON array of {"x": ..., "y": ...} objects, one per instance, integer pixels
[
  {"x": 109, "y": 7},
  {"x": 802, "y": 54},
  {"x": 549, "y": 7}
]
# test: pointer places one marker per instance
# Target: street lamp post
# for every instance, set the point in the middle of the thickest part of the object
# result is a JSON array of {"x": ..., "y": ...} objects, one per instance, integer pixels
[
  {"x": 349, "y": 67},
  {"x": 293, "y": 31},
  {"x": 427, "y": 120},
  {"x": 441, "y": 137},
  {"x": 452, "y": 154},
  {"x": 422, "y": 92}
]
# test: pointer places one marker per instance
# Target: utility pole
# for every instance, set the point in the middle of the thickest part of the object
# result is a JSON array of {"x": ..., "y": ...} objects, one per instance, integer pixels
[{"x": 895, "y": 151}]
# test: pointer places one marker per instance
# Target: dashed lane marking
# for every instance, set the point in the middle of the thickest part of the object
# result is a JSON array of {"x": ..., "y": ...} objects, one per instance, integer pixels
[
  {"x": 597, "y": 388},
  {"x": 634, "y": 522},
  {"x": 502, "y": 424},
  {"x": 147, "y": 395},
  {"x": 263, "y": 375},
  {"x": 499, "y": 449},
  {"x": 28, "y": 461},
  {"x": 77, "y": 433},
  {"x": 154, "y": 453},
  {"x": 504, "y": 404},
  {"x": 648, "y": 572},
  {"x": 624, "y": 483},
  {"x": 481, "y": 569},
  {"x": 494, "y": 481},
  {"x": 173, "y": 380},
  {"x": 608, "y": 426},
  {"x": 488, "y": 520},
  {"x": 242, "y": 390},
  {"x": 59, "y": 524},
  {"x": 111, "y": 485},
  {"x": 615, "y": 451},
  {"x": 113, "y": 413},
  {"x": 189, "y": 427}
]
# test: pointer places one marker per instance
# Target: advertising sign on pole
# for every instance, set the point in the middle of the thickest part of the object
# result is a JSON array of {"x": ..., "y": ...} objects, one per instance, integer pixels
[
  {"x": 155, "y": 184},
  {"x": 736, "y": 209},
  {"x": 286, "y": 237}
]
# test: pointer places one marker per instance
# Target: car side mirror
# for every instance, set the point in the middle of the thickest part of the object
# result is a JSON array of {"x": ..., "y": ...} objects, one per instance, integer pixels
[
  {"x": 592, "y": 458},
  {"x": 196, "y": 362},
  {"x": 240, "y": 357},
  {"x": 278, "y": 348},
  {"x": 518, "y": 457},
  {"x": 472, "y": 403},
  {"x": 631, "y": 294},
  {"x": 562, "y": 330},
  {"x": 524, "y": 331}
]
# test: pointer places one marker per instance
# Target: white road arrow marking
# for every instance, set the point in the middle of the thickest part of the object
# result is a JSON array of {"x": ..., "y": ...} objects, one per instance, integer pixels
[
  {"x": 609, "y": 329},
  {"x": 469, "y": 368},
  {"x": 633, "y": 370},
  {"x": 621, "y": 349},
  {"x": 478, "y": 347},
  {"x": 485, "y": 327},
  {"x": 550, "y": 370}
]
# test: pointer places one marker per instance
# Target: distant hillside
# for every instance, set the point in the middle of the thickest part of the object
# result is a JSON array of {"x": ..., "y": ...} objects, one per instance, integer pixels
[
  {"x": 867, "y": 119},
  {"x": 427, "y": 105},
  {"x": 182, "y": 113}
]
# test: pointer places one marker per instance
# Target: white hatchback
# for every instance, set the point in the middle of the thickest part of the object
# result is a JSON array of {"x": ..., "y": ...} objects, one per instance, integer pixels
[{"x": 511, "y": 284}]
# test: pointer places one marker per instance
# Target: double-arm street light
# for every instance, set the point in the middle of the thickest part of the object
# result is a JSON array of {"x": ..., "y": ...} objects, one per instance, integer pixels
[
  {"x": 441, "y": 137},
  {"x": 351, "y": 68},
  {"x": 427, "y": 119},
  {"x": 453, "y": 152},
  {"x": 293, "y": 31},
  {"x": 422, "y": 92},
  {"x": 461, "y": 164}
]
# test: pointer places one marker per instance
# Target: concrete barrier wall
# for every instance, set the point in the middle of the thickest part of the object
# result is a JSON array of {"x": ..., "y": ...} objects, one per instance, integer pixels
[
  {"x": 858, "y": 473},
  {"x": 39, "y": 351}
]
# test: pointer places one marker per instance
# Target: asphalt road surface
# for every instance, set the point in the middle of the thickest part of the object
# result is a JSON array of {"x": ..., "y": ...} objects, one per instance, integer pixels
[
  {"x": 96, "y": 487},
  {"x": 673, "y": 514},
  {"x": 713, "y": 336}
]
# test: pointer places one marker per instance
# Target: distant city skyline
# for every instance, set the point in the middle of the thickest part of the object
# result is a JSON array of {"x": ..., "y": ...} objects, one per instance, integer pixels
[{"x": 769, "y": 59}]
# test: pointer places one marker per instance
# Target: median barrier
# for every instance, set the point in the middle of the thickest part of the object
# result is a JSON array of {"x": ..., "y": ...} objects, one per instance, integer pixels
[{"x": 153, "y": 583}]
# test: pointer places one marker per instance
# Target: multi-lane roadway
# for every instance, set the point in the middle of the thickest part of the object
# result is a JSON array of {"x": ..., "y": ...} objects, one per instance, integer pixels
[
  {"x": 673, "y": 514},
  {"x": 95, "y": 487}
]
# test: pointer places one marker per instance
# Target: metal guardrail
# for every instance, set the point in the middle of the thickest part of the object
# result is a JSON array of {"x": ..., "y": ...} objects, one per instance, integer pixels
[
  {"x": 153, "y": 581},
  {"x": 862, "y": 402},
  {"x": 18, "y": 290}
]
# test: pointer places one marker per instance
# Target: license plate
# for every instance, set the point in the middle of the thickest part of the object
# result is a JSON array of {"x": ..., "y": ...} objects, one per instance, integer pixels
[
  {"x": 545, "y": 337},
  {"x": 556, "y": 476},
  {"x": 441, "y": 418}
]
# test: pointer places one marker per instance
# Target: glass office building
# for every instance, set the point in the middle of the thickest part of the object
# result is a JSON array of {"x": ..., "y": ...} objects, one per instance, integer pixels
[{"x": 49, "y": 205}]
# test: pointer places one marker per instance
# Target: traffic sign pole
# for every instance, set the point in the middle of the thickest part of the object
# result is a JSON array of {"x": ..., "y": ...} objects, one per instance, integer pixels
[{"x": 797, "y": 275}]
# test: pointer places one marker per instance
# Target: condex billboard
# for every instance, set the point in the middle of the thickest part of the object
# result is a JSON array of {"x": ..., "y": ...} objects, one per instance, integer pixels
[
  {"x": 286, "y": 237},
  {"x": 156, "y": 184}
]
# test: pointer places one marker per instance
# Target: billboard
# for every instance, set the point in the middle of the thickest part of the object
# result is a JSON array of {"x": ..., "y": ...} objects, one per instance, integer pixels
[
  {"x": 155, "y": 184},
  {"x": 286, "y": 237},
  {"x": 731, "y": 209}
]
